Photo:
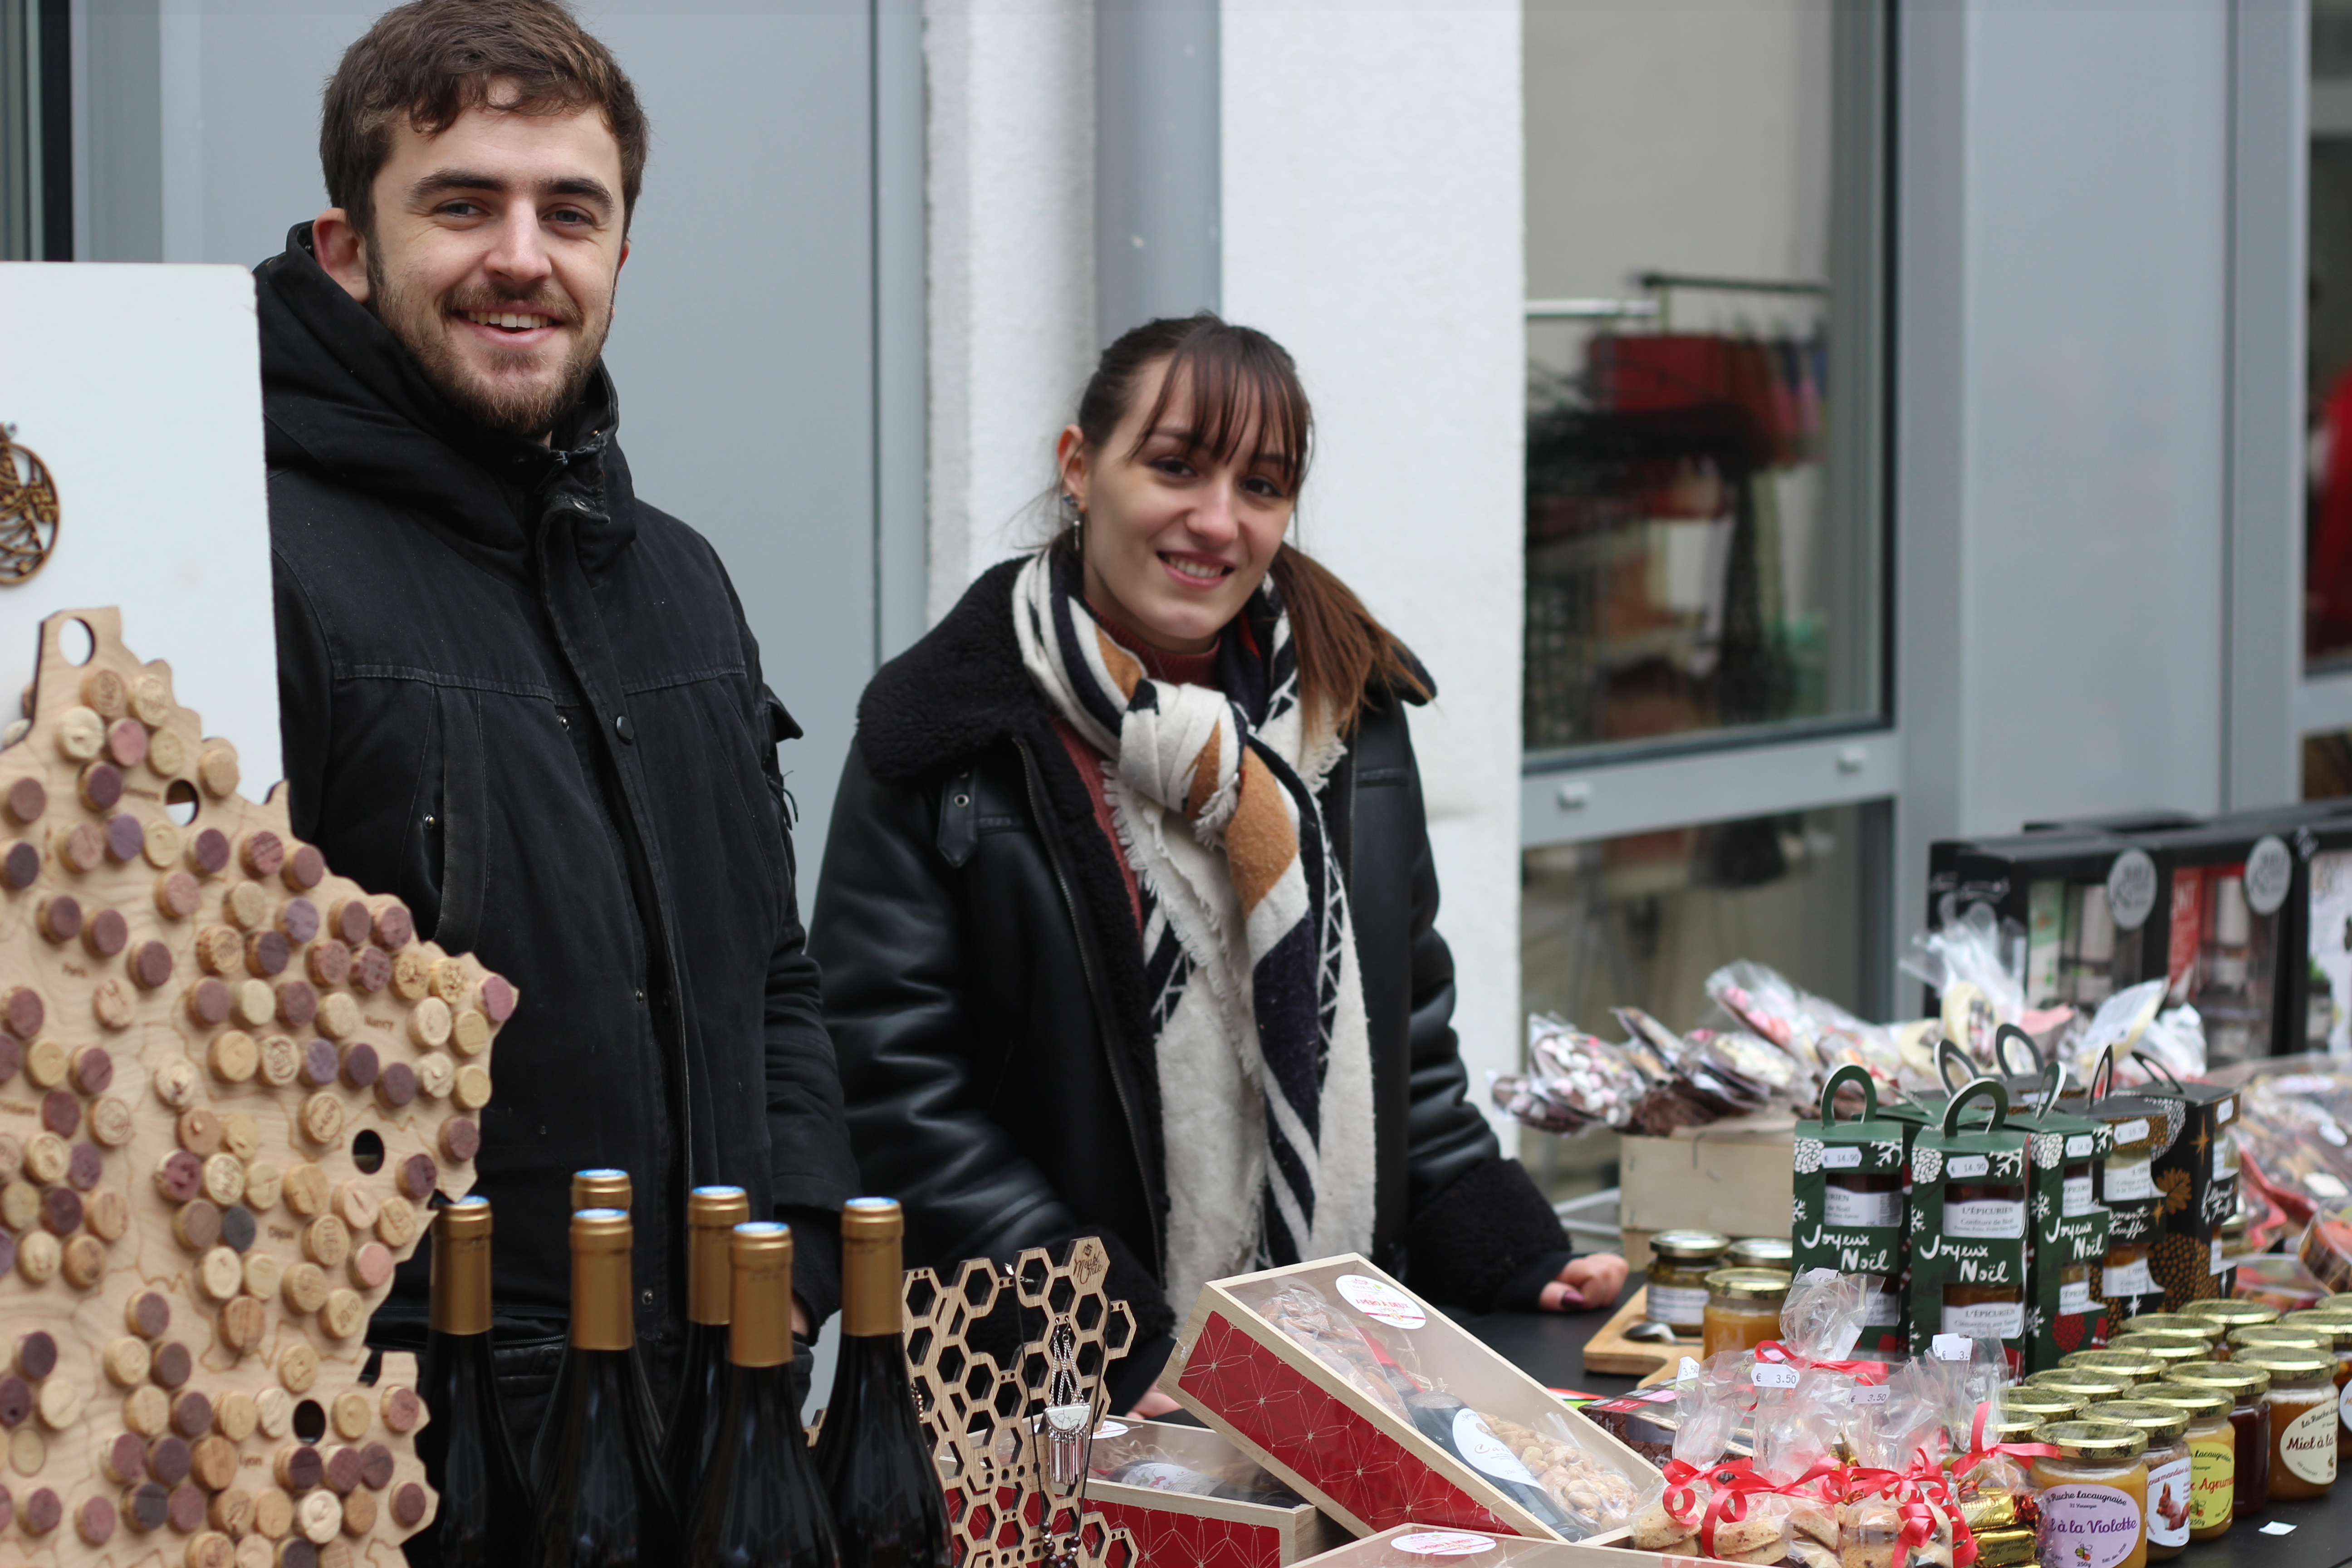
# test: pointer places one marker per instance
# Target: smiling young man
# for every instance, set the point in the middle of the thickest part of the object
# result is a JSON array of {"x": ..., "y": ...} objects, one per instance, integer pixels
[{"x": 517, "y": 697}]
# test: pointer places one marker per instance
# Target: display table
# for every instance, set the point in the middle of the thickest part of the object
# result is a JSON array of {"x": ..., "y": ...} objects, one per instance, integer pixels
[{"x": 1549, "y": 1347}]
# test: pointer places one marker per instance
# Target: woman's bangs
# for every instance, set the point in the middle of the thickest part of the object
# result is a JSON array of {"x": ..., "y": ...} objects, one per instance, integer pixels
[{"x": 1239, "y": 398}]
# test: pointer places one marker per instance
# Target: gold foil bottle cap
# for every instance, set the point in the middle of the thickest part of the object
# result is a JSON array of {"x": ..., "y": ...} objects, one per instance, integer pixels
[
  {"x": 759, "y": 1332},
  {"x": 601, "y": 1189},
  {"x": 461, "y": 1268},
  {"x": 871, "y": 1285},
  {"x": 710, "y": 1213},
  {"x": 601, "y": 1230},
  {"x": 873, "y": 1218},
  {"x": 601, "y": 1315}
]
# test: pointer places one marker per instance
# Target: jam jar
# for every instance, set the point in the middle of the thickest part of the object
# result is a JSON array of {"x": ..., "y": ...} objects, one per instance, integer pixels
[
  {"x": 2212, "y": 1453},
  {"x": 2301, "y": 1336},
  {"x": 2123, "y": 1273},
  {"x": 2337, "y": 1326},
  {"x": 2212, "y": 1329},
  {"x": 2049, "y": 1405},
  {"x": 1985, "y": 1210},
  {"x": 2094, "y": 1494},
  {"x": 2122, "y": 1362},
  {"x": 1759, "y": 1252},
  {"x": 2170, "y": 1346},
  {"x": 2230, "y": 1312},
  {"x": 2301, "y": 1401},
  {"x": 1680, "y": 1261},
  {"x": 1743, "y": 1309},
  {"x": 1984, "y": 1312},
  {"x": 2085, "y": 1382},
  {"x": 2171, "y": 1496},
  {"x": 2250, "y": 1417}
]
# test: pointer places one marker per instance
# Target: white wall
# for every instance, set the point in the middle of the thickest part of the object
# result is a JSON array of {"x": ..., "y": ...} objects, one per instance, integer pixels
[
  {"x": 1372, "y": 222},
  {"x": 2063, "y": 397}
]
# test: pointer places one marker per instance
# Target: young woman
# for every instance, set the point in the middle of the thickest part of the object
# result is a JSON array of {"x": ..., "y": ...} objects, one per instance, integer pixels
[{"x": 1126, "y": 917}]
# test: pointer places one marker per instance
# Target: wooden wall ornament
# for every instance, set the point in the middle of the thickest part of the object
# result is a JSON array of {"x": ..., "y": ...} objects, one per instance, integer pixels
[
  {"x": 190, "y": 1248},
  {"x": 988, "y": 1425},
  {"x": 28, "y": 510}
]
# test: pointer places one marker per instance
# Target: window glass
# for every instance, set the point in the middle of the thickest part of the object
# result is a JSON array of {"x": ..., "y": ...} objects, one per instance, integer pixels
[{"x": 1703, "y": 413}]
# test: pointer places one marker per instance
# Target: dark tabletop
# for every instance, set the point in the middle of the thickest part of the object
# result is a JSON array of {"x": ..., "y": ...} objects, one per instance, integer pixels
[{"x": 1549, "y": 1348}]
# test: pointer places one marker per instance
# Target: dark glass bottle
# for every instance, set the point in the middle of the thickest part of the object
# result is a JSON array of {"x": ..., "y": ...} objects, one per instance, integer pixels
[
  {"x": 484, "y": 1517},
  {"x": 1464, "y": 1432},
  {"x": 711, "y": 1214},
  {"x": 877, "y": 1470},
  {"x": 606, "y": 1503},
  {"x": 760, "y": 1505},
  {"x": 592, "y": 1189}
]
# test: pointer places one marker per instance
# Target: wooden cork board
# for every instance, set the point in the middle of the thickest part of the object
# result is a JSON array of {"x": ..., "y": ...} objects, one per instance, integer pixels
[{"x": 230, "y": 1081}]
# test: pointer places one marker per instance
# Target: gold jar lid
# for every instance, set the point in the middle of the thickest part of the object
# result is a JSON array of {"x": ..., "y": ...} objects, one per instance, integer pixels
[
  {"x": 2231, "y": 1376},
  {"x": 2160, "y": 1321},
  {"x": 2161, "y": 1421},
  {"x": 2093, "y": 1439},
  {"x": 1749, "y": 1284},
  {"x": 2229, "y": 1309},
  {"x": 2290, "y": 1366},
  {"x": 2307, "y": 1336},
  {"x": 2340, "y": 1301},
  {"x": 2123, "y": 1363},
  {"x": 2007, "y": 1423},
  {"x": 2236, "y": 1225},
  {"x": 2170, "y": 1346},
  {"x": 2336, "y": 1325},
  {"x": 1689, "y": 1245},
  {"x": 2042, "y": 1403},
  {"x": 2088, "y": 1382},
  {"x": 2194, "y": 1398},
  {"x": 1759, "y": 1252}
]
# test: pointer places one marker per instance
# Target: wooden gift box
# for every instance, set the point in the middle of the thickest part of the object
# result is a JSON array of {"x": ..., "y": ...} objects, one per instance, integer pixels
[
  {"x": 1175, "y": 1529},
  {"x": 1365, "y": 1466},
  {"x": 1432, "y": 1546}
]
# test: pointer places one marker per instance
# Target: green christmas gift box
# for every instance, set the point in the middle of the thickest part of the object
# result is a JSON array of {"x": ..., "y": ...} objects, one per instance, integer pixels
[
  {"x": 1850, "y": 1211},
  {"x": 1968, "y": 1230}
]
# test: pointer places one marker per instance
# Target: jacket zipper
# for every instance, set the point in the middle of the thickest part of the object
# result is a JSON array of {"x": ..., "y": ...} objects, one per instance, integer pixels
[{"x": 1103, "y": 1018}]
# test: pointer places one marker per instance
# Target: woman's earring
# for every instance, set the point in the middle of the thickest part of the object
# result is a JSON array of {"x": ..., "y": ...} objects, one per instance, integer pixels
[{"x": 1071, "y": 511}]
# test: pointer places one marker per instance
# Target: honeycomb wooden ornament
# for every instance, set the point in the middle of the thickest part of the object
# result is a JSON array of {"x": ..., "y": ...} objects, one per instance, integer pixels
[
  {"x": 229, "y": 1083},
  {"x": 985, "y": 1423}
]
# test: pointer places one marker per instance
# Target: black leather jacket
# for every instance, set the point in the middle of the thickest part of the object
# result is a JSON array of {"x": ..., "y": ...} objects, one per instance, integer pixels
[
  {"x": 984, "y": 990},
  {"x": 526, "y": 703}
]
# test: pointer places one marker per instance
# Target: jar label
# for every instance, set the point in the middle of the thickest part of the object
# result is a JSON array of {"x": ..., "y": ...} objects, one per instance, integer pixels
[
  {"x": 2130, "y": 1180},
  {"x": 1986, "y": 1319},
  {"x": 2075, "y": 1198},
  {"x": 2169, "y": 1502},
  {"x": 2307, "y": 1447},
  {"x": 2212, "y": 1481},
  {"x": 2073, "y": 1297},
  {"x": 1380, "y": 1301},
  {"x": 1482, "y": 1450},
  {"x": 1882, "y": 1308},
  {"x": 1841, "y": 1206},
  {"x": 2126, "y": 1279},
  {"x": 2225, "y": 1157},
  {"x": 1443, "y": 1544},
  {"x": 2089, "y": 1526},
  {"x": 1682, "y": 1306},
  {"x": 1842, "y": 1157},
  {"x": 2344, "y": 1405},
  {"x": 1990, "y": 1219}
]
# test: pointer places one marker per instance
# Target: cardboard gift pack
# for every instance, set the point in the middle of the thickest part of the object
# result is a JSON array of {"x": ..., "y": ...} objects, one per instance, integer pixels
[
  {"x": 1850, "y": 1211},
  {"x": 2070, "y": 1233},
  {"x": 1427, "y": 1546},
  {"x": 1968, "y": 1229},
  {"x": 2084, "y": 901},
  {"x": 2144, "y": 1125},
  {"x": 1177, "y": 1529},
  {"x": 1380, "y": 1410},
  {"x": 2222, "y": 908},
  {"x": 2196, "y": 1181}
]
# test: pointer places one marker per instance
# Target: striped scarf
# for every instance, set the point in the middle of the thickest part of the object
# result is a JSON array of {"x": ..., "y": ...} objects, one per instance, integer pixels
[{"x": 1264, "y": 1065}]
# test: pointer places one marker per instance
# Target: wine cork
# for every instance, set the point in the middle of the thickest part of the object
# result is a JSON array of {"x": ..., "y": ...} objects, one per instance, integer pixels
[
  {"x": 216, "y": 1462},
  {"x": 224, "y": 1179},
  {"x": 241, "y": 1134},
  {"x": 273, "y": 1510},
  {"x": 445, "y": 978},
  {"x": 372, "y": 1266},
  {"x": 393, "y": 929},
  {"x": 59, "y": 918},
  {"x": 360, "y": 1064},
  {"x": 20, "y": 1206},
  {"x": 267, "y": 952},
  {"x": 262, "y": 854},
  {"x": 328, "y": 963},
  {"x": 400, "y": 1407},
  {"x": 126, "y": 743},
  {"x": 408, "y": 1504},
  {"x": 299, "y": 919},
  {"x": 59, "y": 1403},
  {"x": 371, "y": 970},
  {"x": 20, "y": 867},
  {"x": 109, "y": 1122},
  {"x": 147, "y": 1411},
  {"x": 408, "y": 976},
  {"x": 217, "y": 769},
  {"x": 185, "y": 1509},
  {"x": 221, "y": 1275},
  {"x": 79, "y": 847},
  {"x": 107, "y": 1216},
  {"x": 39, "y": 1256},
  {"x": 85, "y": 1262},
  {"x": 396, "y": 1087},
  {"x": 351, "y": 1415},
  {"x": 220, "y": 951},
  {"x": 126, "y": 838},
  {"x": 339, "y": 1015},
  {"x": 177, "y": 895},
  {"x": 304, "y": 870},
  {"x": 105, "y": 693},
  {"x": 197, "y": 1224},
  {"x": 168, "y": 1460},
  {"x": 396, "y": 1225},
  {"x": 237, "y": 1416},
  {"x": 179, "y": 1176},
  {"x": 322, "y": 1119},
  {"x": 418, "y": 1175},
  {"x": 44, "y": 1511},
  {"x": 356, "y": 1203},
  {"x": 232, "y": 1513},
  {"x": 12, "y": 1156},
  {"x": 163, "y": 844},
  {"x": 15, "y": 1401},
  {"x": 247, "y": 906},
  {"x": 307, "y": 1189},
  {"x": 95, "y": 1520},
  {"x": 60, "y": 1212},
  {"x": 276, "y": 1411},
  {"x": 280, "y": 1060},
  {"x": 100, "y": 784},
  {"x": 174, "y": 1081},
  {"x": 469, "y": 1032},
  {"x": 351, "y": 920},
  {"x": 326, "y": 1241},
  {"x": 150, "y": 964},
  {"x": 436, "y": 1074},
  {"x": 319, "y": 1515},
  {"x": 344, "y": 1314},
  {"x": 199, "y": 1130},
  {"x": 298, "y": 1467},
  {"x": 358, "y": 1513},
  {"x": 238, "y": 1227},
  {"x": 81, "y": 733},
  {"x": 297, "y": 1367},
  {"x": 191, "y": 1414},
  {"x": 171, "y": 1366},
  {"x": 263, "y": 1183},
  {"x": 124, "y": 1459},
  {"x": 151, "y": 699},
  {"x": 472, "y": 1089},
  {"x": 343, "y": 1470},
  {"x": 125, "y": 1362},
  {"x": 321, "y": 1064},
  {"x": 210, "y": 1002},
  {"x": 104, "y": 932},
  {"x": 376, "y": 1467},
  {"x": 114, "y": 1005},
  {"x": 167, "y": 754},
  {"x": 243, "y": 1321},
  {"x": 208, "y": 852},
  {"x": 60, "y": 1117},
  {"x": 12, "y": 1056},
  {"x": 147, "y": 1314},
  {"x": 298, "y": 1003},
  {"x": 84, "y": 1166},
  {"x": 22, "y": 1012},
  {"x": 264, "y": 1275},
  {"x": 26, "y": 799}
]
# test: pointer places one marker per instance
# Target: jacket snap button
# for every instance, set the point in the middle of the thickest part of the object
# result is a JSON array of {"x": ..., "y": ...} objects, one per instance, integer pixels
[
  {"x": 625, "y": 728},
  {"x": 647, "y": 1298}
]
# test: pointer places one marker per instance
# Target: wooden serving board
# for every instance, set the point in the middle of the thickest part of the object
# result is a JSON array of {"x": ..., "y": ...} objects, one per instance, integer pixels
[{"x": 1612, "y": 1353}]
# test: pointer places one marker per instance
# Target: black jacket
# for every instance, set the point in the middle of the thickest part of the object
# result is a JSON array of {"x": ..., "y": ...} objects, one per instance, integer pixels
[
  {"x": 984, "y": 988},
  {"x": 526, "y": 703}
]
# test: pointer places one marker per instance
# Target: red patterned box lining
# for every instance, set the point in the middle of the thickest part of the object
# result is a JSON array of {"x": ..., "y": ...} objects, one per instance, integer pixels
[{"x": 1166, "y": 1539}]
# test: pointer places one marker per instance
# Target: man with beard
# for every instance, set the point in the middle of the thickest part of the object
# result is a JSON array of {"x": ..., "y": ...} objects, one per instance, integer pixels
[{"x": 515, "y": 696}]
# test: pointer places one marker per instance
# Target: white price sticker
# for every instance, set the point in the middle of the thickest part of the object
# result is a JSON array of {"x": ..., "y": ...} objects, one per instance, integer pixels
[
  {"x": 1951, "y": 1347},
  {"x": 1767, "y": 1375},
  {"x": 2132, "y": 1132},
  {"x": 1380, "y": 1301},
  {"x": 1868, "y": 1395},
  {"x": 2131, "y": 889},
  {"x": 2078, "y": 1147},
  {"x": 2269, "y": 871},
  {"x": 1842, "y": 1157},
  {"x": 1960, "y": 1167}
]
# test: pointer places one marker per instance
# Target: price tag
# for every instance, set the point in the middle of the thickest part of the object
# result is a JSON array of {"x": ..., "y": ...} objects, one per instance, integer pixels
[
  {"x": 1380, "y": 1301},
  {"x": 2131, "y": 889},
  {"x": 1767, "y": 1375},
  {"x": 1843, "y": 1157},
  {"x": 2268, "y": 869},
  {"x": 1951, "y": 1347},
  {"x": 1688, "y": 1369},
  {"x": 2132, "y": 1132},
  {"x": 1870, "y": 1395},
  {"x": 2278, "y": 1527}
]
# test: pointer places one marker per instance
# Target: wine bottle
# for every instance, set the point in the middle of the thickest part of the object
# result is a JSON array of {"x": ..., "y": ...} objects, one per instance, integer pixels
[
  {"x": 711, "y": 1214},
  {"x": 760, "y": 1505},
  {"x": 601, "y": 1188},
  {"x": 877, "y": 1470},
  {"x": 1464, "y": 1432},
  {"x": 606, "y": 1503},
  {"x": 484, "y": 1517}
]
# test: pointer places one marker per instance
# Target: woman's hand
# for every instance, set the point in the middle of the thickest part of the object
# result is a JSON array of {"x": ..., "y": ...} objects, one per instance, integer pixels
[
  {"x": 1153, "y": 1402},
  {"x": 1592, "y": 1280}
]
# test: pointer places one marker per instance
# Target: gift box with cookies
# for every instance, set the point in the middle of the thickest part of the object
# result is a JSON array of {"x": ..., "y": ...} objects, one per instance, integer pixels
[
  {"x": 1380, "y": 1410},
  {"x": 1189, "y": 1497}
]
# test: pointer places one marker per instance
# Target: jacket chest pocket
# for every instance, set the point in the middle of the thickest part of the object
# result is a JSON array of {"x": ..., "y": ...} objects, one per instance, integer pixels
[{"x": 456, "y": 826}]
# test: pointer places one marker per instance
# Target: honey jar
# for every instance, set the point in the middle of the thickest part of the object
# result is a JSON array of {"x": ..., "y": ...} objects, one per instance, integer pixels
[
  {"x": 2170, "y": 1497},
  {"x": 2212, "y": 1453},
  {"x": 2094, "y": 1494},
  {"x": 1760, "y": 1252},
  {"x": 2301, "y": 1401},
  {"x": 2337, "y": 1326},
  {"x": 2250, "y": 1419},
  {"x": 2127, "y": 1363},
  {"x": 1680, "y": 1261},
  {"x": 1743, "y": 1309},
  {"x": 2088, "y": 1383}
]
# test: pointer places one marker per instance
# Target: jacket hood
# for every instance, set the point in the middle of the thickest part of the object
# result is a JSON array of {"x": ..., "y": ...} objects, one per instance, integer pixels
[
  {"x": 341, "y": 396},
  {"x": 963, "y": 689}
]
